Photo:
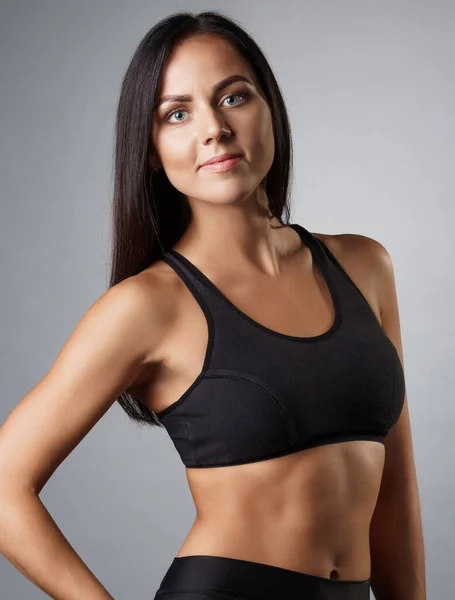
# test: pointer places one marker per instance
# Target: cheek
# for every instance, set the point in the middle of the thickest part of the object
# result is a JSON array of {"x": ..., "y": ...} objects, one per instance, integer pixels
[
  {"x": 174, "y": 149},
  {"x": 179, "y": 159},
  {"x": 262, "y": 142}
]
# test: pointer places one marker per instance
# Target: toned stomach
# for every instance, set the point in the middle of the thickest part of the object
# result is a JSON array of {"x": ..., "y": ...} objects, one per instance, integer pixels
[{"x": 309, "y": 511}]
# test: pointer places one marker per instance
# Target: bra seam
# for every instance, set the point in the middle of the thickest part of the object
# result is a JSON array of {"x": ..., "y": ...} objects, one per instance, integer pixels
[{"x": 229, "y": 374}]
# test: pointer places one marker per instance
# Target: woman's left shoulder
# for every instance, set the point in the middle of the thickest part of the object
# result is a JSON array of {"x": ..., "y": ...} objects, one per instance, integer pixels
[
  {"x": 366, "y": 261},
  {"x": 355, "y": 247}
]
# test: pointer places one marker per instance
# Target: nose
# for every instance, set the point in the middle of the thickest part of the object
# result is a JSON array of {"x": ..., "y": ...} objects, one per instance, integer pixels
[{"x": 214, "y": 126}]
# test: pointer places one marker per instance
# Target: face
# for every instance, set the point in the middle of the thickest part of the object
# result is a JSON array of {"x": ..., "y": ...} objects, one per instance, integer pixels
[{"x": 187, "y": 133}]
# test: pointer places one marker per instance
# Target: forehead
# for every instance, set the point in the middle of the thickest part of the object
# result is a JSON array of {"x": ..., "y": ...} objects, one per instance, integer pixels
[{"x": 201, "y": 61}]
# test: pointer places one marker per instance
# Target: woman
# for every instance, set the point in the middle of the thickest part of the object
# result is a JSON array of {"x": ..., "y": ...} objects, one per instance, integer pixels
[{"x": 271, "y": 355}]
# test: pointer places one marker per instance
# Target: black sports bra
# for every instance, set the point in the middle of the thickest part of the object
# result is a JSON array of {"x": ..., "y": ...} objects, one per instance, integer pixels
[{"x": 263, "y": 394}]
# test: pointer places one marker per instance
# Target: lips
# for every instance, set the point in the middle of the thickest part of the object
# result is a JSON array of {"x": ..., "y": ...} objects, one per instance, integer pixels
[{"x": 221, "y": 158}]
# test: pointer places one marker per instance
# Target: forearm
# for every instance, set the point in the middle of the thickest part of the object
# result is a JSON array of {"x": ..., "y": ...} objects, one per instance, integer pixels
[
  {"x": 397, "y": 549},
  {"x": 31, "y": 540}
]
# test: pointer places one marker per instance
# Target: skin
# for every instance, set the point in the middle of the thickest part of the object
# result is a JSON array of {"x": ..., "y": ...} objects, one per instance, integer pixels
[
  {"x": 318, "y": 511},
  {"x": 309, "y": 511}
]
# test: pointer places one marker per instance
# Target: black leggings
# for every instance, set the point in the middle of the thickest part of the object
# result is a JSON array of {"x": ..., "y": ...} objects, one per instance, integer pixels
[{"x": 205, "y": 577}]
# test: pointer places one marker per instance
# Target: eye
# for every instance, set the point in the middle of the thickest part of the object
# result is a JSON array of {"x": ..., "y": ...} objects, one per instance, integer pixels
[{"x": 242, "y": 94}]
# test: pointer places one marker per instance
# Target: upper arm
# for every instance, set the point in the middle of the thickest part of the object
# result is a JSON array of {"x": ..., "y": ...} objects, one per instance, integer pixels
[{"x": 102, "y": 357}]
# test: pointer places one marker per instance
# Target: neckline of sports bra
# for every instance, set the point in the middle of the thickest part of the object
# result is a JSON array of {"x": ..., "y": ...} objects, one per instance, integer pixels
[{"x": 308, "y": 239}]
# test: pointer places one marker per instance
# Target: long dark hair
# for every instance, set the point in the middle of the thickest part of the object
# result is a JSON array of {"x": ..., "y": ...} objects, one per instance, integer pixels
[{"x": 149, "y": 215}]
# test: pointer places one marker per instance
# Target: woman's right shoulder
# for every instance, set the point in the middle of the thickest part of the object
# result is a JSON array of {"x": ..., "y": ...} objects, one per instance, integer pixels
[{"x": 152, "y": 295}]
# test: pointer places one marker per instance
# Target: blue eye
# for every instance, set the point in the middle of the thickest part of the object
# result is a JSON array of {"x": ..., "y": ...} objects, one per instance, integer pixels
[{"x": 242, "y": 94}]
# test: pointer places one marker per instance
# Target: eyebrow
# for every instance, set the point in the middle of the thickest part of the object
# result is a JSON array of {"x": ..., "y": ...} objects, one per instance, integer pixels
[{"x": 217, "y": 88}]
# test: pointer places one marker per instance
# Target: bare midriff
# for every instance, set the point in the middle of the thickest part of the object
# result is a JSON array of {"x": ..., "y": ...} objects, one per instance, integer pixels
[{"x": 308, "y": 512}]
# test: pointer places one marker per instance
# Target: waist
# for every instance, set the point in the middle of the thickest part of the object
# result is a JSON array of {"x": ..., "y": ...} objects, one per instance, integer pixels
[{"x": 319, "y": 548}]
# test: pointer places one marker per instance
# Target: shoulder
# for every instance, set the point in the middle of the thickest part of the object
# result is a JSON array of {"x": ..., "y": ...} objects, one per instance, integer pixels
[
  {"x": 144, "y": 303},
  {"x": 366, "y": 260},
  {"x": 354, "y": 246},
  {"x": 138, "y": 296},
  {"x": 163, "y": 286}
]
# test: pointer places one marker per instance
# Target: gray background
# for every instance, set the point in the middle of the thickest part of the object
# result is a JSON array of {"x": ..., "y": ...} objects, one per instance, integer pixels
[{"x": 371, "y": 96}]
